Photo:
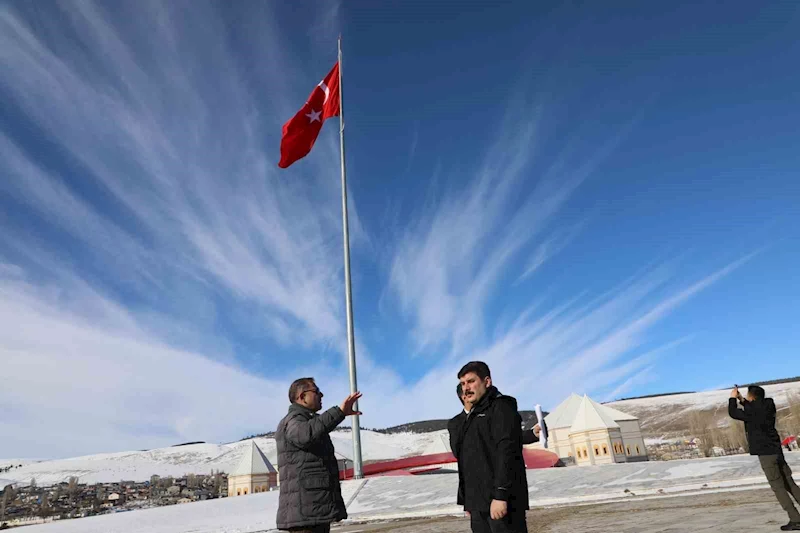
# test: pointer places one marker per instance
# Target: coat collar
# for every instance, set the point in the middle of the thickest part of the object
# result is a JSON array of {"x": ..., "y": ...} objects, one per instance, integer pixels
[
  {"x": 297, "y": 408},
  {"x": 486, "y": 400}
]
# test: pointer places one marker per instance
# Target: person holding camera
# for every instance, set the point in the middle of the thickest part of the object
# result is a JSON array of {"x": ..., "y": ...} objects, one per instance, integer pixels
[{"x": 758, "y": 415}]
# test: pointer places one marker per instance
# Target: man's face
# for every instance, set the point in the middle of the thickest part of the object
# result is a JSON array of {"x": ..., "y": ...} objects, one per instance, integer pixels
[
  {"x": 474, "y": 388},
  {"x": 311, "y": 398},
  {"x": 750, "y": 397}
]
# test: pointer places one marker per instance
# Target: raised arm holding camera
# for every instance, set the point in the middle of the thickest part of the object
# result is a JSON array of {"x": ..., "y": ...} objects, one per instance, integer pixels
[{"x": 758, "y": 415}]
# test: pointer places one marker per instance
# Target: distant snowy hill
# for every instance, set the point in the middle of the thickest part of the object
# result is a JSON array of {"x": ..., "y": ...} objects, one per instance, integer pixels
[
  {"x": 665, "y": 415},
  {"x": 426, "y": 426},
  {"x": 668, "y": 415},
  {"x": 202, "y": 458},
  {"x": 661, "y": 417}
]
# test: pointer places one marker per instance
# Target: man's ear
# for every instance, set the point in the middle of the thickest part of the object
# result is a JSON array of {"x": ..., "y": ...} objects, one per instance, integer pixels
[{"x": 488, "y": 381}]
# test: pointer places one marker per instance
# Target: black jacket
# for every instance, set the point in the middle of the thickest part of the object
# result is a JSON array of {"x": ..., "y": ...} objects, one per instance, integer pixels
[
  {"x": 310, "y": 493},
  {"x": 487, "y": 444},
  {"x": 455, "y": 425},
  {"x": 759, "y": 424}
]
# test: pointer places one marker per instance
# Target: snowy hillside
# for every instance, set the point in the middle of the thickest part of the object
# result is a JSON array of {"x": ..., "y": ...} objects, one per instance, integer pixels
[
  {"x": 14, "y": 462},
  {"x": 202, "y": 458},
  {"x": 669, "y": 415},
  {"x": 662, "y": 416}
]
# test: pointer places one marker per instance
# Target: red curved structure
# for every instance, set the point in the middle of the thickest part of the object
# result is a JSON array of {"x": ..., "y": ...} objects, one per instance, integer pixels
[{"x": 428, "y": 463}]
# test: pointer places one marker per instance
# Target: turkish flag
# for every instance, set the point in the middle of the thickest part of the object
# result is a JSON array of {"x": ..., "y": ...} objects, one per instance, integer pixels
[{"x": 300, "y": 132}]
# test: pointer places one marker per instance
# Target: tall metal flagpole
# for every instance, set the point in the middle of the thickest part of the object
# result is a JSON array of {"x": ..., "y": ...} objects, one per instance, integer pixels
[{"x": 351, "y": 343}]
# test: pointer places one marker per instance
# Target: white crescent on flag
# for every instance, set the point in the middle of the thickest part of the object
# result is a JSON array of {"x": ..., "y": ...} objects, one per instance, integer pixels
[{"x": 325, "y": 90}]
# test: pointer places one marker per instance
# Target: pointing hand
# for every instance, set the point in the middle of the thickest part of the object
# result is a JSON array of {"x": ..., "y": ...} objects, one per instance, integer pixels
[{"x": 348, "y": 403}]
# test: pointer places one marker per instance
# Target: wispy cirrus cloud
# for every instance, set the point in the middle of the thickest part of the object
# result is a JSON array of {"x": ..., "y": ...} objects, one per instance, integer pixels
[
  {"x": 182, "y": 155},
  {"x": 105, "y": 381},
  {"x": 143, "y": 151},
  {"x": 549, "y": 248},
  {"x": 80, "y": 375},
  {"x": 601, "y": 345},
  {"x": 151, "y": 175},
  {"x": 459, "y": 251},
  {"x": 464, "y": 253}
]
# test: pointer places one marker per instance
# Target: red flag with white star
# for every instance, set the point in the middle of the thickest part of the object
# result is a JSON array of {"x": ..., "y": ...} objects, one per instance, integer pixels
[{"x": 301, "y": 131}]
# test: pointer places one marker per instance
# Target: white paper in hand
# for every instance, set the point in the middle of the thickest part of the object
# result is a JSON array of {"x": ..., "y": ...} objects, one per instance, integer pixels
[{"x": 540, "y": 421}]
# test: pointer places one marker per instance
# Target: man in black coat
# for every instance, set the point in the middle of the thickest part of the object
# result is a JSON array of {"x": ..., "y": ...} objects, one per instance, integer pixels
[
  {"x": 487, "y": 443},
  {"x": 310, "y": 496},
  {"x": 758, "y": 415},
  {"x": 456, "y": 424}
]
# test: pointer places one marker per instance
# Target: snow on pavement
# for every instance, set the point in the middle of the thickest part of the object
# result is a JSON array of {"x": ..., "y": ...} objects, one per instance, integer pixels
[
  {"x": 753, "y": 512},
  {"x": 243, "y": 514},
  {"x": 250, "y": 514},
  {"x": 434, "y": 494}
]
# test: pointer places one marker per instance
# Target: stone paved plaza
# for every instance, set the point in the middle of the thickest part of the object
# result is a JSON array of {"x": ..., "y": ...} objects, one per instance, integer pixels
[
  {"x": 406, "y": 497},
  {"x": 753, "y": 511}
]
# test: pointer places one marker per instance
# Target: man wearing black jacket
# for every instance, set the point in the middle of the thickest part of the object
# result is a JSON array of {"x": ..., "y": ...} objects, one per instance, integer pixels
[
  {"x": 487, "y": 443},
  {"x": 455, "y": 426},
  {"x": 758, "y": 416}
]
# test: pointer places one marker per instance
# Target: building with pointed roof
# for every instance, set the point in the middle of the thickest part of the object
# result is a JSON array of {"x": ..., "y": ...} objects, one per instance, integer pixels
[
  {"x": 591, "y": 433},
  {"x": 253, "y": 474}
]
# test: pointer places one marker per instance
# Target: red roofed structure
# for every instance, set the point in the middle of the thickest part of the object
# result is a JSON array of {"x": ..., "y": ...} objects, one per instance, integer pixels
[{"x": 432, "y": 462}]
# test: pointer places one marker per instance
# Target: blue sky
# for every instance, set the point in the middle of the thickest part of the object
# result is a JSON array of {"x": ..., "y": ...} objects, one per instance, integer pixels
[{"x": 592, "y": 200}]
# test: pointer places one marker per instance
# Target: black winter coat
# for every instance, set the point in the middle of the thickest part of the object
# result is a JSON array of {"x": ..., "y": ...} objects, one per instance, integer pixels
[
  {"x": 759, "y": 424},
  {"x": 310, "y": 493},
  {"x": 455, "y": 425},
  {"x": 487, "y": 444}
]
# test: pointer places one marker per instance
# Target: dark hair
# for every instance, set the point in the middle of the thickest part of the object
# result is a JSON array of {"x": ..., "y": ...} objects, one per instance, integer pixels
[
  {"x": 297, "y": 387},
  {"x": 460, "y": 393},
  {"x": 479, "y": 367},
  {"x": 757, "y": 392}
]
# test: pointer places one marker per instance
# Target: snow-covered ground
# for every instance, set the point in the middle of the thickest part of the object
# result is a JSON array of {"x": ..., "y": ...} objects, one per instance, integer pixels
[
  {"x": 254, "y": 513},
  {"x": 178, "y": 461},
  {"x": 16, "y": 462},
  {"x": 5, "y": 476},
  {"x": 431, "y": 495},
  {"x": 378, "y": 446}
]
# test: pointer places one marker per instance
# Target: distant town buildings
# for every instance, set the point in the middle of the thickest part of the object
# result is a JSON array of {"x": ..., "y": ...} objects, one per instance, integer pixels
[
  {"x": 25, "y": 504},
  {"x": 591, "y": 433}
]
